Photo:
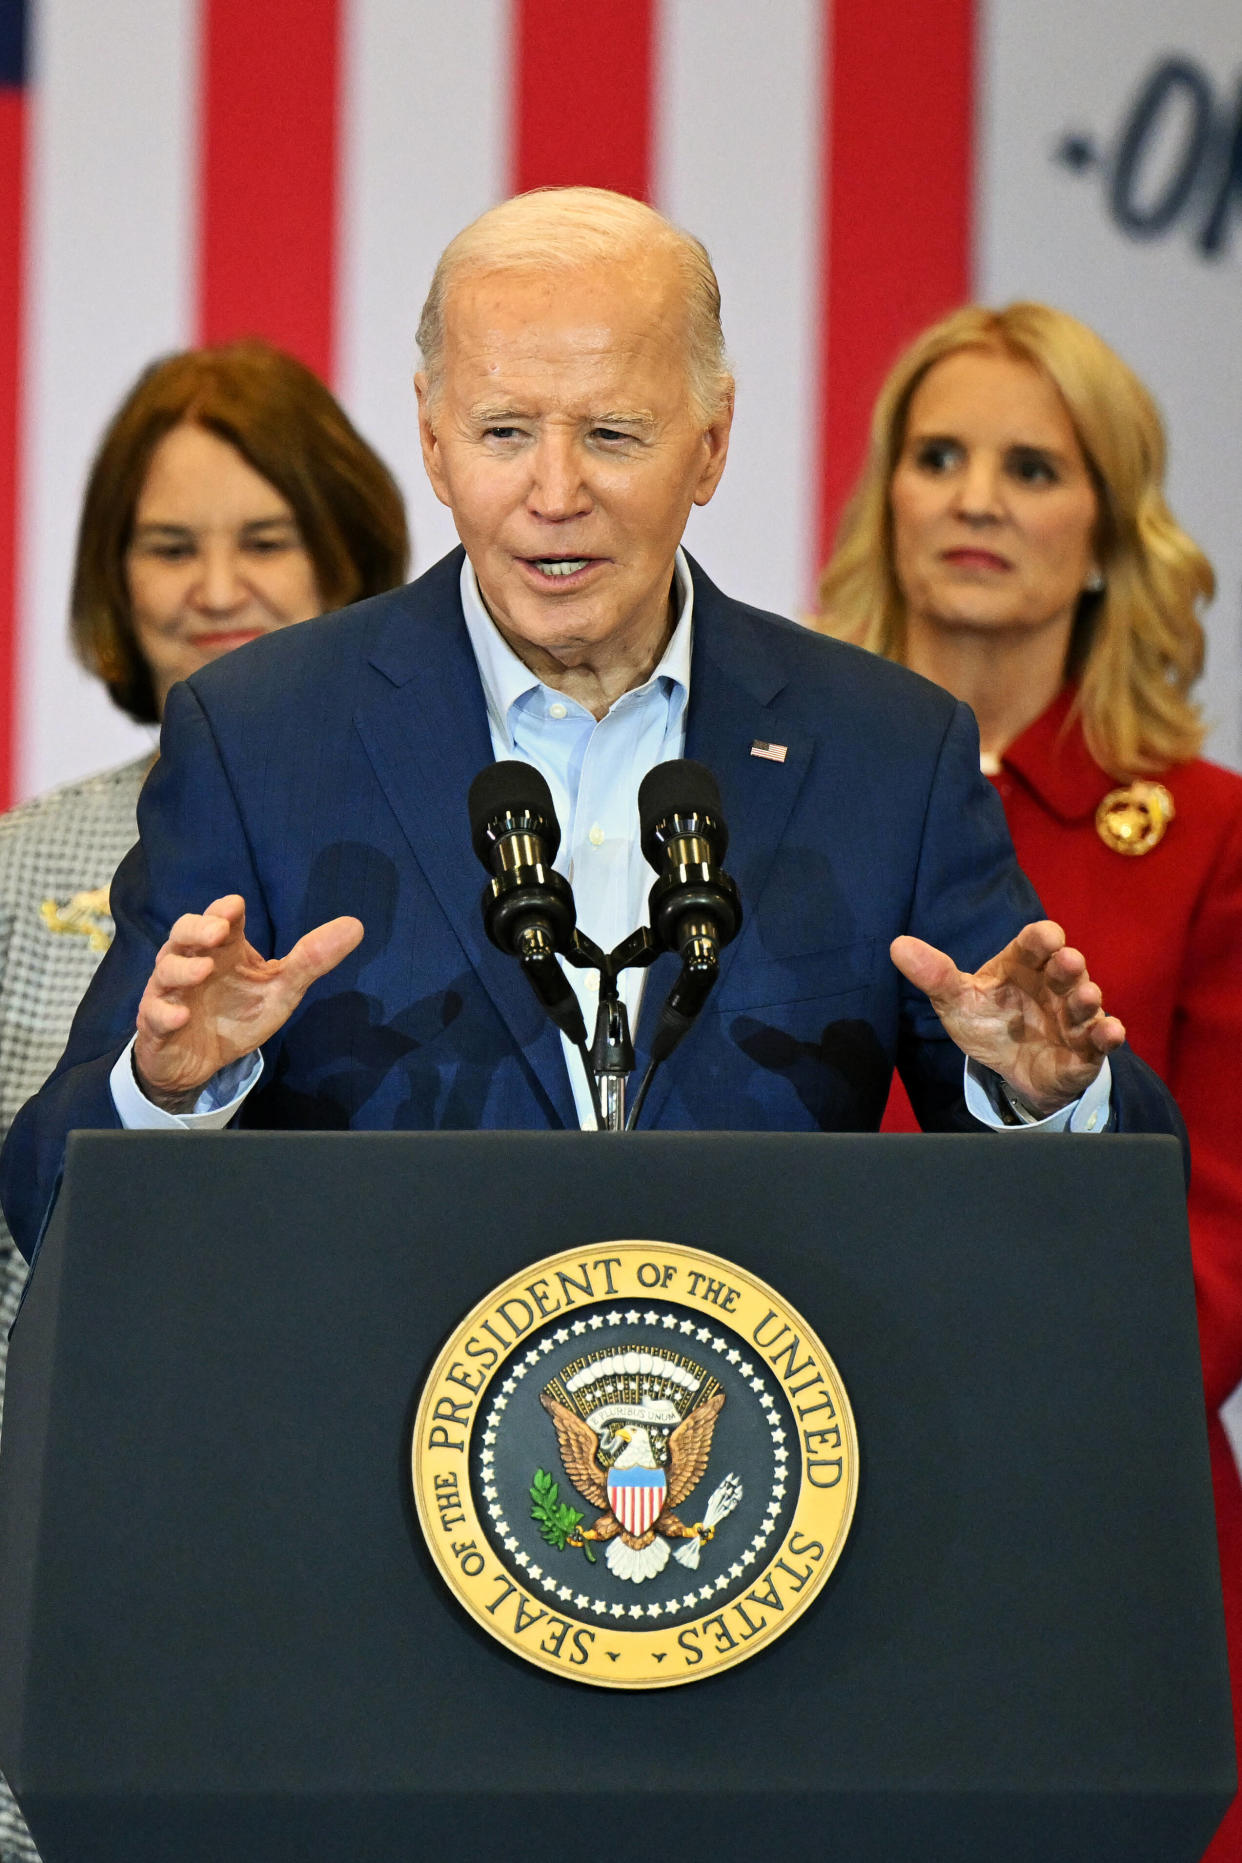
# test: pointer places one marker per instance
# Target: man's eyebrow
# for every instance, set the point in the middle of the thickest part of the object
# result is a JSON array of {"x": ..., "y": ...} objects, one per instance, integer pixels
[
  {"x": 496, "y": 414},
  {"x": 624, "y": 417}
]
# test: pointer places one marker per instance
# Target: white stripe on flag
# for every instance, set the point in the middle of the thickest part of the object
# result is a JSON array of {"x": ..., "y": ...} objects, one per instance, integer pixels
[
  {"x": 111, "y": 274},
  {"x": 425, "y": 128},
  {"x": 737, "y": 163},
  {"x": 1047, "y": 233}
]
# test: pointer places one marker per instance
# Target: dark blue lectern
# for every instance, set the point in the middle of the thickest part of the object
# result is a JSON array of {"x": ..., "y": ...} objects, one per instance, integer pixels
[{"x": 222, "y": 1635}]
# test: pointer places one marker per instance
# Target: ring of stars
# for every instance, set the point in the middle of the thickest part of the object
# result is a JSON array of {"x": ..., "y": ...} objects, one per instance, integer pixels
[{"x": 550, "y": 1582}]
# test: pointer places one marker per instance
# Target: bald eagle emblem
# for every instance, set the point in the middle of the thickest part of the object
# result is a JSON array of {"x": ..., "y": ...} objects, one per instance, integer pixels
[{"x": 634, "y": 1428}]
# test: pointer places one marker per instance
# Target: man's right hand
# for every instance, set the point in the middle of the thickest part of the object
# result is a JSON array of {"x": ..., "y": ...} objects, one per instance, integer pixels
[{"x": 212, "y": 999}]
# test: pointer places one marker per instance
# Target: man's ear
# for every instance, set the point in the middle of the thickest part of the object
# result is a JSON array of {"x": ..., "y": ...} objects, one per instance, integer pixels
[
  {"x": 428, "y": 439},
  {"x": 716, "y": 444}
]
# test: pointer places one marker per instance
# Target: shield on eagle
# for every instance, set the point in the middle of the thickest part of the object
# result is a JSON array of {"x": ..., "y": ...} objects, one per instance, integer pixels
[{"x": 636, "y": 1497}]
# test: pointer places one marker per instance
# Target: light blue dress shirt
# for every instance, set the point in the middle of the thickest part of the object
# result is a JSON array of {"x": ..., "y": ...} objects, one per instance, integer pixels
[{"x": 593, "y": 768}]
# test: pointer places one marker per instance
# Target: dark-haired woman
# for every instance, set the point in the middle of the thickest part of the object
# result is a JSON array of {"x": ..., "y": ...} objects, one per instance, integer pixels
[{"x": 230, "y": 496}]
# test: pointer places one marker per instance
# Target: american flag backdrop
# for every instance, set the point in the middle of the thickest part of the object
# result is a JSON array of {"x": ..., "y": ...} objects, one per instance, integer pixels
[{"x": 181, "y": 170}]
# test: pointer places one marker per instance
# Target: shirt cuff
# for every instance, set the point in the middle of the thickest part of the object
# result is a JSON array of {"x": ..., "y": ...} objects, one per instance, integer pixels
[
  {"x": 219, "y": 1100},
  {"x": 985, "y": 1096}
]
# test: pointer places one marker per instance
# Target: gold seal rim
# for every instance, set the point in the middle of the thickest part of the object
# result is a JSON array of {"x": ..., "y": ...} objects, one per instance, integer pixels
[{"x": 808, "y": 1514}]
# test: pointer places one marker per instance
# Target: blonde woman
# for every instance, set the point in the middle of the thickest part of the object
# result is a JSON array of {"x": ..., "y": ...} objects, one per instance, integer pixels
[{"x": 1010, "y": 539}]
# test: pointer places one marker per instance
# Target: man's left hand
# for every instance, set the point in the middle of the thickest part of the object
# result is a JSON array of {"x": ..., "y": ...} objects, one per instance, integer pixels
[{"x": 1032, "y": 1014}]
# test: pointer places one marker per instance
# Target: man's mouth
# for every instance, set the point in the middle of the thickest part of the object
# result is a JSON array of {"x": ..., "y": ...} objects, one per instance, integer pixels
[
  {"x": 559, "y": 568},
  {"x": 560, "y": 565}
]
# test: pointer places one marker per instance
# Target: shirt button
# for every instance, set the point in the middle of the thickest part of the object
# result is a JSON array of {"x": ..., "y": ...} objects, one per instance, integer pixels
[
  {"x": 1093, "y": 1122},
  {"x": 596, "y": 835},
  {"x": 558, "y": 710}
]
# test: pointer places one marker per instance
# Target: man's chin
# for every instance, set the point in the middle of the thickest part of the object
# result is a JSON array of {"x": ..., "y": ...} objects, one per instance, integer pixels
[
  {"x": 554, "y": 621},
  {"x": 568, "y": 639}
]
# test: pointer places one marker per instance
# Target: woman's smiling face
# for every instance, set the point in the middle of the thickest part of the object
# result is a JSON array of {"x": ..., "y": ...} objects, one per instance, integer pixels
[{"x": 216, "y": 557}]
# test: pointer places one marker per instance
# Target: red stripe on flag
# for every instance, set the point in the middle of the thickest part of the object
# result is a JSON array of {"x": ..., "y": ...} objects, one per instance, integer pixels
[
  {"x": 268, "y": 174},
  {"x": 583, "y": 106},
  {"x": 898, "y": 185},
  {"x": 12, "y": 176}
]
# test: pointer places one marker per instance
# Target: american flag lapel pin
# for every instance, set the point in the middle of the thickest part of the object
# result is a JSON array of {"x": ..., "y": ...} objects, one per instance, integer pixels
[{"x": 774, "y": 753}]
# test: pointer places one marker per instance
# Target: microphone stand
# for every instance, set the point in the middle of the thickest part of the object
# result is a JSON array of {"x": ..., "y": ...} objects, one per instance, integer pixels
[
  {"x": 611, "y": 1058},
  {"x": 528, "y": 912}
]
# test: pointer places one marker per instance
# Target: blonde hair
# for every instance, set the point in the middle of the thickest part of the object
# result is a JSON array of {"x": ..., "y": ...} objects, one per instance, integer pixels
[
  {"x": 560, "y": 229},
  {"x": 1137, "y": 645}
]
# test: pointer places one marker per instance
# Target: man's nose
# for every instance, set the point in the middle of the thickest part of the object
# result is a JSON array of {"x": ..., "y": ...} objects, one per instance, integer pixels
[
  {"x": 557, "y": 489},
  {"x": 221, "y": 585}
]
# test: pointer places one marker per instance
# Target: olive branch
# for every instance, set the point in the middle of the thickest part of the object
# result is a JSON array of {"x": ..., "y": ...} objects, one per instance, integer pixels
[{"x": 558, "y": 1523}]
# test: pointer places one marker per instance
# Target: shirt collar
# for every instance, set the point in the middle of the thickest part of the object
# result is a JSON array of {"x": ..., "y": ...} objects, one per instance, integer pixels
[
  {"x": 506, "y": 679},
  {"x": 1051, "y": 759}
]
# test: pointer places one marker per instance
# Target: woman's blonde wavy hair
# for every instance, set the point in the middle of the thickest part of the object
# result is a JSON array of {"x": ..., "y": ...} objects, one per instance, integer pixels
[{"x": 1137, "y": 645}]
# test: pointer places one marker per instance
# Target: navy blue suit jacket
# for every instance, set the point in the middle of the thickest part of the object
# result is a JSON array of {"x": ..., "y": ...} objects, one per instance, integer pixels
[{"x": 324, "y": 770}]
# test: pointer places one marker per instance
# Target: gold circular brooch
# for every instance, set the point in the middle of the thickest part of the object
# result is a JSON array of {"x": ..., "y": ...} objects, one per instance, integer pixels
[{"x": 1133, "y": 820}]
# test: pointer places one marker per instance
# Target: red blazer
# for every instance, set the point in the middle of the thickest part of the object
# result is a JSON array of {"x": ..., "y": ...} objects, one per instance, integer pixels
[{"x": 1162, "y": 935}]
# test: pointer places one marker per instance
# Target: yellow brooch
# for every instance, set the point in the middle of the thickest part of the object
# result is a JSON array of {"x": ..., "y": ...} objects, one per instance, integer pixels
[
  {"x": 1133, "y": 820},
  {"x": 87, "y": 915}
]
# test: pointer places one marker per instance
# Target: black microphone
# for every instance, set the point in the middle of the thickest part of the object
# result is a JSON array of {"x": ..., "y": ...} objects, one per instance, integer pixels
[
  {"x": 694, "y": 906},
  {"x": 528, "y": 908}
]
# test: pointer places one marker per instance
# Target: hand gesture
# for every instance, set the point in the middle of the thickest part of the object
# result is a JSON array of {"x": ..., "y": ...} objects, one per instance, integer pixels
[
  {"x": 1032, "y": 1014},
  {"x": 212, "y": 999}
]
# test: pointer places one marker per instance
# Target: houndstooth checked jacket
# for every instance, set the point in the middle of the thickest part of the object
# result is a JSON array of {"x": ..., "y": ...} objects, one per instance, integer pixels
[{"x": 57, "y": 857}]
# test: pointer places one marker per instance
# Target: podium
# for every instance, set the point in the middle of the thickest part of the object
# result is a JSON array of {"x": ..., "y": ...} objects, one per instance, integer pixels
[{"x": 222, "y": 1635}]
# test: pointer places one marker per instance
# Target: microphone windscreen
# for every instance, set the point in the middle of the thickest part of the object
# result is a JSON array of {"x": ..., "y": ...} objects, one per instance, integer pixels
[
  {"x": 681, "y": 787},
  {"x": 510, "y": 788}
]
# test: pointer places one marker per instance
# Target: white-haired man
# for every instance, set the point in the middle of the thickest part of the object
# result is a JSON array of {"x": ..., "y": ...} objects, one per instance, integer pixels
[{"x": 298, "y": 934}]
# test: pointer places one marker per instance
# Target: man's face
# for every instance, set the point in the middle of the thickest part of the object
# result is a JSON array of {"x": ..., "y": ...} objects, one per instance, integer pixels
[{"x": 565, "y": 442}]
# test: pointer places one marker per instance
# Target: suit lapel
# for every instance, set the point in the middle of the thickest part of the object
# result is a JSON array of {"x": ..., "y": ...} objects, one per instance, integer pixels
[
  {"x": 425, "y": 731},
  {"x": 735, "y": 691}
]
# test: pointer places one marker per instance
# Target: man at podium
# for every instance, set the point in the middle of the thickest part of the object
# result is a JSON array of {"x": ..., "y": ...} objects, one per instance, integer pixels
[{"x": 299, "y": 942}]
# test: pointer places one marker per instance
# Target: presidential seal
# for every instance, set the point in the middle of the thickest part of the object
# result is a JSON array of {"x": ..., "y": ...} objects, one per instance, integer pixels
[{"x": 635, "y": 1464}]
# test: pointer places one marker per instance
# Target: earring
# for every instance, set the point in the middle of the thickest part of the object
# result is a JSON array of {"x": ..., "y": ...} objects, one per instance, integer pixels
[{"x": 1095, "y": 581}]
